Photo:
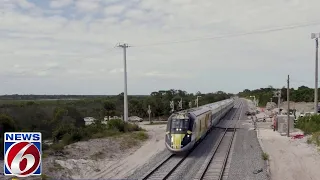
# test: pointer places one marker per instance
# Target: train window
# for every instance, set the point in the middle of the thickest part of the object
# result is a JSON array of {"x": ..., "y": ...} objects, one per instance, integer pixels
[{"x": 180, "y": 125}]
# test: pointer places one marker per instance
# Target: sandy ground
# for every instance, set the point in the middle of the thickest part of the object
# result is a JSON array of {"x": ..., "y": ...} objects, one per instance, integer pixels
[
  {"x": 102, "y": 158},
  {"x": 123, "y": 167},
  {"x": 290, "y": 159}
]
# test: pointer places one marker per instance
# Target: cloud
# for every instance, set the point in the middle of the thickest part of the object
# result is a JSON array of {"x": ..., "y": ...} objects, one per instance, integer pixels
[
  {"x": 114, "y": 9},
  {"x": 87, "y": 6},
  {"x": 24, "y": 4},
  {"x": 60, "y": 3},
  {"x": 156, "y": 74},
  {"x": 74, "y": 41}
]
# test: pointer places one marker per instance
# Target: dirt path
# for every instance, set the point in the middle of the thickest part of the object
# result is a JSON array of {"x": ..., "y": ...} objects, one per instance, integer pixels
[
  {"x": 290, "y": 159},
  {"x": 120, "y": 168}
]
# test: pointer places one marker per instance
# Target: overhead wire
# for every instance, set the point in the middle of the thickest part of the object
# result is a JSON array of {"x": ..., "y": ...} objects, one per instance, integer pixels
[{"x": 232, "y": 35}]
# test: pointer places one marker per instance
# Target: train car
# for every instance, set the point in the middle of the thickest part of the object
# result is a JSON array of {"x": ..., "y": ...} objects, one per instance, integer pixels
[{"x": 186, "y": 128}]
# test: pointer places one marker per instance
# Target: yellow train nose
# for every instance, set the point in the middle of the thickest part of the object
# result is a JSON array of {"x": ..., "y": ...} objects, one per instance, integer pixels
[{"x": 176, "y": 140}]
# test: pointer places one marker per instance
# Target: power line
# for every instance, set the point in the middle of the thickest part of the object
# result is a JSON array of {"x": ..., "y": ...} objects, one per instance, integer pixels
[{"x": 233, "y": 35}]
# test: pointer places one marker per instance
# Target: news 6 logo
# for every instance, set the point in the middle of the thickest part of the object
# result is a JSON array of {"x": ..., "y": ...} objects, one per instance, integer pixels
[{"x": 22, "y": 154}]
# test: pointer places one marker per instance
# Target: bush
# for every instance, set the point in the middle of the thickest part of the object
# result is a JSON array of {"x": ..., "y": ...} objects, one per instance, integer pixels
[
  {"x": 140, "y": 136},
  {"x": 68, "y": 133},
  {"x": 265, "y": 156},
  {"x": 118, "y": 124},
  {"x": 133, "y": 127},
  {"x": 309, "y": 124},
  {"x": 57, "y": 146},
  {"x": 315, "y": 138},
  {"x": 7, "y": 124}
]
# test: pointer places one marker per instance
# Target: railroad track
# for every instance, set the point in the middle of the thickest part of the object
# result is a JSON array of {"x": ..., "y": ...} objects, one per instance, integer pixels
[
  {"x": 215, "y": 165},
  {"x": 165, "y": 168}
]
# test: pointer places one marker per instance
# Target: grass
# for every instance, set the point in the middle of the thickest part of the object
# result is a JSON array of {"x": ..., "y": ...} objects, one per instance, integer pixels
[
  {"x": 315, "y": 139},
  {"x": 265, "y": 156},
  {"x": 44, "y": 155},
  {"x": 44, "y": 177},
  {"x": 132, "y": 139},
  {"x": 55, "y": 167},
  {"x": 97, "y": 155}
]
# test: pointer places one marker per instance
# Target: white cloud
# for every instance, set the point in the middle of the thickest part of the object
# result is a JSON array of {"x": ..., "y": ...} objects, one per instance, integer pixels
[
  {"x": 87, "y": 6},
  {"x": 60, "y": 3},
  {"x": 113, "y": 10},
  {"x": 156, "y": 74},
  {"x": 76, "y": 44},
  {"x": 24, "y": 4}
]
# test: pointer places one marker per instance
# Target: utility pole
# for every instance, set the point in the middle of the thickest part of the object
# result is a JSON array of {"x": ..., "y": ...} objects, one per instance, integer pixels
[
  {"x": 125, "y": 106},
  {"x": 316, "y": 36},
  {"x": 288, "y": 100},
  {"x": 197, "y": 101},
  {"x": 149, "y": 112}
]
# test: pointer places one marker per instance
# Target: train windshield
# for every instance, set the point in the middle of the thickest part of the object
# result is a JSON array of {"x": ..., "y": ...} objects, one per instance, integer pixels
[{"x": 179, "y": 125}]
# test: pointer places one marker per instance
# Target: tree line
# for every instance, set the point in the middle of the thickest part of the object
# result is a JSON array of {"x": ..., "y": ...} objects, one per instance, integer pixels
[
  {"x": 48, "y": 116},
  {"x": 300, "y": 94}
]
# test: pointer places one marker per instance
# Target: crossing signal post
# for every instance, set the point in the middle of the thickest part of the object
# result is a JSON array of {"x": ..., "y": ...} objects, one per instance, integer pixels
[
  {"x": 278, "y": 95},
  {"x": 180, "y": 104},
  {"x": 172, "y": 106}
]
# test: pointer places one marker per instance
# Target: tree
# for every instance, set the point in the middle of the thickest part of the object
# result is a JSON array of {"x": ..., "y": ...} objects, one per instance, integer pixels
[
  {"x": 7, "y": 124},
  {"x": 109, "y": 107}
]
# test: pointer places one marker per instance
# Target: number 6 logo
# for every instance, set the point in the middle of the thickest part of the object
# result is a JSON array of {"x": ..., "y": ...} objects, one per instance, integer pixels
[{"x": 22, "y": 159}]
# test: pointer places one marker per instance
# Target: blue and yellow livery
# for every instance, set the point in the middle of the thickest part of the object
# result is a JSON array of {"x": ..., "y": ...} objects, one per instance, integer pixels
[{"x": 186, "y": 128}]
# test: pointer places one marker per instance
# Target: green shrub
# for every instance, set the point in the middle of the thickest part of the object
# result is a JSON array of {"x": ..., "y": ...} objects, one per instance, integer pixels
[
  {"x": 68, "y": 133},
  {"x": 315, "y": 138},
  {"x": 141, "y": 136},
  {"x": 265, "y": 156},
  {"x": 133, "y": 127},
  {"x": 57, "y": 146},
  {"x": 116, "y": 124},
  {"x": 120, "y": 125},
  {"x": 309, "y": 124}
]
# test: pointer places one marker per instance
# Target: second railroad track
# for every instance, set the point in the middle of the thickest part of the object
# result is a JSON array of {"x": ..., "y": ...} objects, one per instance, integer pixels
[{"x": 214, "y": 165}]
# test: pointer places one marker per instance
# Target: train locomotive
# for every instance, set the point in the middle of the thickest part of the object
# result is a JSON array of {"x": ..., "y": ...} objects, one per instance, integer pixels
[{"x": 186, "y": 128}]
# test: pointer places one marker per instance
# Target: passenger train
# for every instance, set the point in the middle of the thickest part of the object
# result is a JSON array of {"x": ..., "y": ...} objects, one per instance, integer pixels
[{"x": 186, "y": 128}]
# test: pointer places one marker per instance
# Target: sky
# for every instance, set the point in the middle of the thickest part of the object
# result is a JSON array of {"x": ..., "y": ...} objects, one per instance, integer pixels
[{"x": 69, "y": 46}]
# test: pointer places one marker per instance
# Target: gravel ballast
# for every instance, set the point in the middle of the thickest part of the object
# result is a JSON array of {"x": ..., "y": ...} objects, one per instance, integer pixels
[{"x": 246, "y": 161}]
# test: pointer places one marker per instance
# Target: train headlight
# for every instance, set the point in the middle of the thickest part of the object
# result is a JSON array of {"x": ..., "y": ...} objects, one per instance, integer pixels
[{"x": 188, "y": 135}]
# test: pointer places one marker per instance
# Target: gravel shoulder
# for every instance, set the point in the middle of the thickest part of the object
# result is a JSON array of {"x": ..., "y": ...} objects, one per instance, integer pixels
[
  {"x": 246, "y": 160},
  {"x": 289, "y": 158}
]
